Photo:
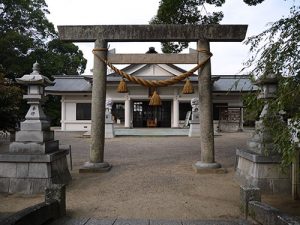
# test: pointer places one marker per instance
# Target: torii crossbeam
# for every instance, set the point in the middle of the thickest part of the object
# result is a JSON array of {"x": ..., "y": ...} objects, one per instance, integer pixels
[{"x": 102, "y": 34}]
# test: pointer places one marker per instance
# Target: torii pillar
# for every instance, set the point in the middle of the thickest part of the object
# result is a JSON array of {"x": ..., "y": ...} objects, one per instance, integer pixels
[
  {"x": 101, "y": 34},
  {"x": 207, "y": 159},
  {"x": 96, "y": 162}
]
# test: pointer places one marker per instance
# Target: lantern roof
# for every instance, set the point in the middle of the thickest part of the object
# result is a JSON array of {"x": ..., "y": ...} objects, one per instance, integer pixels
[
  {"x": 270, "y": 78},
  {"x": 35, "y": 77}
]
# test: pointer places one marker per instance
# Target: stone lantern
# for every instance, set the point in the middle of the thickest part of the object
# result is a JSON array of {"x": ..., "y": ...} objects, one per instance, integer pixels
[
  {"x": 34, "y": 160},
  {"x": 261, "y": 141},
  {"x": 268, "y": 86},
  {"x": 36, "y": 84},
  {"x": 258, "y": 165},
  {"x": 36, "y": 127}
]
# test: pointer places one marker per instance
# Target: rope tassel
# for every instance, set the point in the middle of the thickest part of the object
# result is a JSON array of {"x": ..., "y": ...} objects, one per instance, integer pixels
[
  {"x": 155, "y": 99},
  {"x": 188, "y": 87},
  {"x": 122, "y": 87}
]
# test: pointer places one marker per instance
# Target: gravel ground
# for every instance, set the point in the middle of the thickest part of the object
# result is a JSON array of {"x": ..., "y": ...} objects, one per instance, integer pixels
[{"x": 151, "y": 178}]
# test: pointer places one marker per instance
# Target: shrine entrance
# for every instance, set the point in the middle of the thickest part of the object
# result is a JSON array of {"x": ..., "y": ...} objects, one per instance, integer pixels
[
  {"x": 101, "y": 35},
  {"x": 145, "y": 115}
]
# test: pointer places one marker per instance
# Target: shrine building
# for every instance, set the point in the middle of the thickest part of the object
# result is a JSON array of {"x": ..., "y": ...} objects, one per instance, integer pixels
[{"x": 132, "y": 109}]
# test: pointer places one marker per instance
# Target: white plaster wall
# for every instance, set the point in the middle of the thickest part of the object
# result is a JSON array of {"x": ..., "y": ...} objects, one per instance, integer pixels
[
  {"x": 135, "y": 92},
  {"x": 70, "y": 111},
  {"x": 82, "y": 125},
  {"x": 70, "y": 123}
]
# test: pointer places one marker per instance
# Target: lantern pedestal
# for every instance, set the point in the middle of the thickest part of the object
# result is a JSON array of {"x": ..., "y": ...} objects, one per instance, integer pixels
[
  {"x": 261, "y": 171},
  {"x": 34, "y": 160}
]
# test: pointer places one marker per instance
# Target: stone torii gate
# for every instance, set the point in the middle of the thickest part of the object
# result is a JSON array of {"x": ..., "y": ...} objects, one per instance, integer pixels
[{"x": 102, "y": 34}]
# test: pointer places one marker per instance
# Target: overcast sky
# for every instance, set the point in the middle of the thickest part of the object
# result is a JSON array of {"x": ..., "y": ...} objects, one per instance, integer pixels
[{"x": 227, "y": 57}]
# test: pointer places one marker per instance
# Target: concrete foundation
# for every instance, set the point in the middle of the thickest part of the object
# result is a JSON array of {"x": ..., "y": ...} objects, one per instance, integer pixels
[
  {"x": 263, "y": 172},
  {"x": 32, "y": 173}
]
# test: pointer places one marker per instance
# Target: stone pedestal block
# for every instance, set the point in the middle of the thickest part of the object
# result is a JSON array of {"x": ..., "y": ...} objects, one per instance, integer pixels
[
  {"x": 32, "y": 173},
  {"x": 109, "y": 130},
  {"x": 34, "y": 136},
  {"x": 263, "y": 172},
  {"x": 194, "y": 130},
  {"x": 35, "y": 125},
  {"x": 33, "y": 147}
]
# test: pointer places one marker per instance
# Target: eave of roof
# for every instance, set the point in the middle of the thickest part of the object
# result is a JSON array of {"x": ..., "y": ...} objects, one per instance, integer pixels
[{"x": 82, "y": 84}]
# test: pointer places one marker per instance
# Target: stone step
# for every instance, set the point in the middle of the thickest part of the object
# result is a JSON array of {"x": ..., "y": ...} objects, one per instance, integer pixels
[{"x": 92, "y": 221}]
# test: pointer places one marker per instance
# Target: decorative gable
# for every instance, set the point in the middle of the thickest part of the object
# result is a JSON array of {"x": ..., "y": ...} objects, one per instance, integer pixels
[{"x": 155, "y": 70}]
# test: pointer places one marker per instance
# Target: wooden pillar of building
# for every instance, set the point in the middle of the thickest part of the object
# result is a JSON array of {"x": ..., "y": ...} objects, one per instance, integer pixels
[
  {"x": 175, "y": 112},
  {"x": 127, "y": 113}
]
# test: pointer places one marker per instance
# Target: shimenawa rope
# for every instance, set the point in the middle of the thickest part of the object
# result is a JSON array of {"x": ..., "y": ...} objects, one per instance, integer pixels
[{"x": 154, "y": 83}]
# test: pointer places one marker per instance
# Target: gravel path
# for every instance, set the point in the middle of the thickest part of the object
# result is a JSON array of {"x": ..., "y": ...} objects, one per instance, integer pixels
[{"x": 151, "y": 178}]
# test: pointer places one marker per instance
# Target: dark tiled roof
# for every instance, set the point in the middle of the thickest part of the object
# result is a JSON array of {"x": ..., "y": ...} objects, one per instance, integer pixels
[
  {"x": 70, "y": 84},
  {"x": 225, "y": 83},
  {"x": 235, "y": 83}
]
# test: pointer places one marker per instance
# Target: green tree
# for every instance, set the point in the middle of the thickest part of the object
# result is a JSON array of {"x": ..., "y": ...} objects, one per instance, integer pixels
[
  {"x": 60, "y": 58},
  {"x": 188, "y": 12},
  {"x": 10, "y": 101},
  {"x": 277, "y": 51},
  {"x": 184, "y": 12},
  {"x": 27, "y": 36}
]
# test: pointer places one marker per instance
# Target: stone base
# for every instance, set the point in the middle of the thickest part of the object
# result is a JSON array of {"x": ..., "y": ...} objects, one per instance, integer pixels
[
  {"x": 263, "y": 172},
  {"x": 34, "y": 136},
  {"x": 90, "y": 167},
  {"x": 208, "y": 168},
  {"x": 109, "y": 130},
  {"x": 194, "y": 130},
  {"x": 32, "y": 173},
  {"x": 29, "y": 147}
]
